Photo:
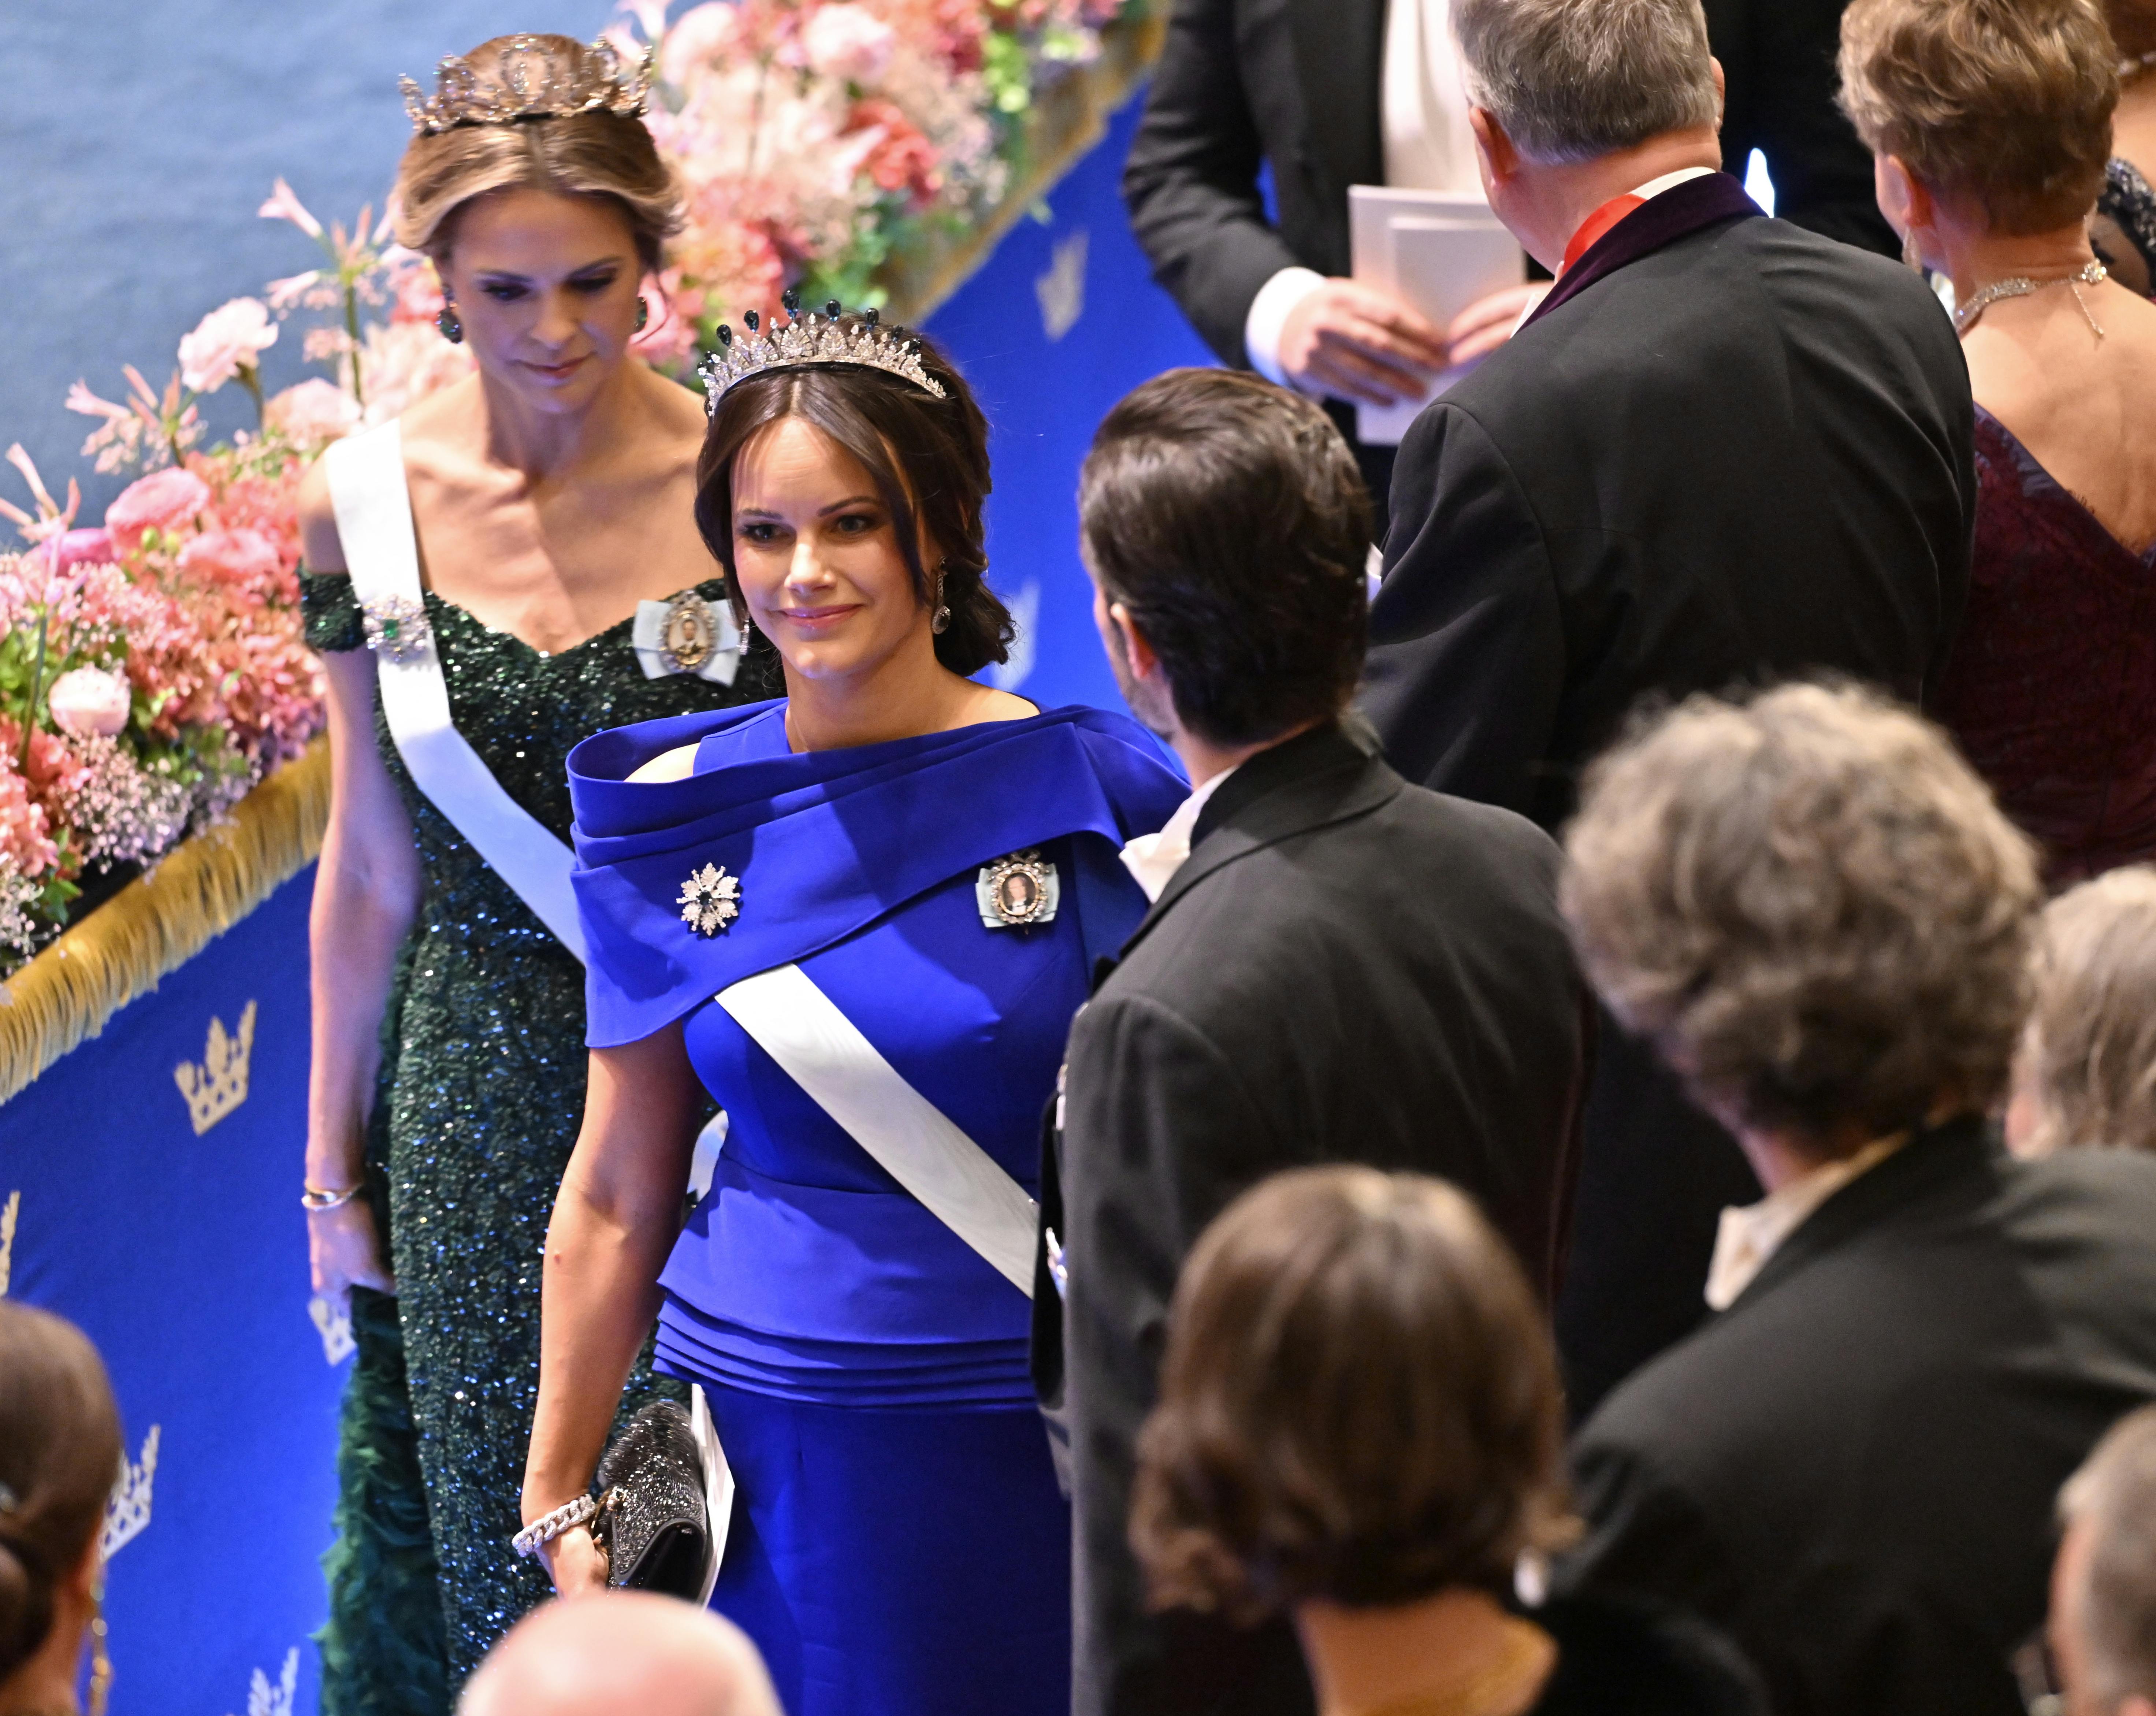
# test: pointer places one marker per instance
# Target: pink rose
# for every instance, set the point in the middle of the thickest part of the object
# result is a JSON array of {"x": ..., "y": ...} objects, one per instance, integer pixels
[
  {"x": 848, "y": 42},
  {"x": 312, "y": 412},
  {"x": 244, "y": 557},
  {"x": 227, "y": 341},
  {"x": 703, "y": 35},
  {"x": 89, "y": 700},
  {"x": 82, "y": 548},
  {"x": 158, "y": 502}
]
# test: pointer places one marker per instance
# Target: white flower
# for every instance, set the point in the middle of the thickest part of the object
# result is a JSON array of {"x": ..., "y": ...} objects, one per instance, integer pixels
[
  {"x": 848, "y": 41},
  {"x": 710, "y": 900},
  {"x": 229, "y": 339},
  {"x": 89, "y": 700}
]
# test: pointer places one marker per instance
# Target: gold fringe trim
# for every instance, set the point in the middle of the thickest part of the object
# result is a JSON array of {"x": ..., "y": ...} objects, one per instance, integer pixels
[
  {"x": 160, "y": 921},
  {"x": 1069, "y": 119}
]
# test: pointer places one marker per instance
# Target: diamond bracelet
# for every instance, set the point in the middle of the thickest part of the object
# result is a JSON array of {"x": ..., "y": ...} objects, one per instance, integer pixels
[{"x": 565, "y": 1517}]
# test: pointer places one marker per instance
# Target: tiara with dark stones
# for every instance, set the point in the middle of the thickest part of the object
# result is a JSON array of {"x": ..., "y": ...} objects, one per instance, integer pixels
[
  {"x": 813, "y": 340},
  {"x": 530, "y": 80}
]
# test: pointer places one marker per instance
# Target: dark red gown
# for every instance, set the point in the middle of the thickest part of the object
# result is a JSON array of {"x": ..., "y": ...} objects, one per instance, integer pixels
[{"x": 2050, "y": 688}]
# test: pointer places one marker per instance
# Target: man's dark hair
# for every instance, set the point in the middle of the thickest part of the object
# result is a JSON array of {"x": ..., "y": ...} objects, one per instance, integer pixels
[{"x": 1227, "y": 515}]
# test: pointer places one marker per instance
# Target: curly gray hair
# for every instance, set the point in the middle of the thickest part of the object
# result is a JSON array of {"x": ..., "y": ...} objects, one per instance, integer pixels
[
  {"x": 2088, "y": 1058},
  {"x": 1811, "y": 905}
]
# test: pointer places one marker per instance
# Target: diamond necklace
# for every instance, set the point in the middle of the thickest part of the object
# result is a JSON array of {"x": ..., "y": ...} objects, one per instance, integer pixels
[{"x": 2020, "y": 287}]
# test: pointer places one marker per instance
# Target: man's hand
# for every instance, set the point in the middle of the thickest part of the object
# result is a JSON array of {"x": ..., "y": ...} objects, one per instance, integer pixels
[
  {"x": 1358, "y": 342},
  {"x": 1486, "y": 324}
]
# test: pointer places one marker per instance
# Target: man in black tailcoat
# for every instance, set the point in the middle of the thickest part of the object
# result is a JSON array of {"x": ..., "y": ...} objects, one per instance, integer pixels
[
  {"x": 1338, "y": 966},
  {"x": 1319, "y": 92},
  {"x": 1723, "y": 448}
]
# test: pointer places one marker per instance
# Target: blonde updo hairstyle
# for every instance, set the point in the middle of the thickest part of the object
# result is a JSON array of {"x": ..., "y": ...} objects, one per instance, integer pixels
[{"x": 593, "y": 154}]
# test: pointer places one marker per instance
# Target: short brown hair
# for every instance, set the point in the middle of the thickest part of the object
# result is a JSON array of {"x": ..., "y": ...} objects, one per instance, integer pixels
[
  {"x": 60, "y": 1448},
  {"x": 1811, "y": 904},
  {"x": 596, "y": 154},
  {"x": 2115, "y": 1491},
  {"x": 1359, "y": 1402},
  {"x": 1228, "y": 514},
  {"x": 2088, "y": 1056},
  {"x": 929, "y": 459},
  {"x": 2008, "y": 101}
]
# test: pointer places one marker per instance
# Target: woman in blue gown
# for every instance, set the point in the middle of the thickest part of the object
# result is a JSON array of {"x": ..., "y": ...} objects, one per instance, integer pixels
[{"x": 863, "y": 918}]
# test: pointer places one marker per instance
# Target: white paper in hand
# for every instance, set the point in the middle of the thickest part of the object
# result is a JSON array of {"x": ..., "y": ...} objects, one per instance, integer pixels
[{"x": 1439, "y": 251}]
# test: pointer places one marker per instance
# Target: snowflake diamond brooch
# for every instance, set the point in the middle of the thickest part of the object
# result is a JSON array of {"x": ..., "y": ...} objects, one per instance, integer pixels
[
  {"x": 396, "y": 629},
  {"x": 711, "y": 899}
]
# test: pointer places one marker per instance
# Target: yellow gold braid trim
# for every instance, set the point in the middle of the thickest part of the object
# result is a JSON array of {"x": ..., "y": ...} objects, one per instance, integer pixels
[{"x": 157, "y": 922}]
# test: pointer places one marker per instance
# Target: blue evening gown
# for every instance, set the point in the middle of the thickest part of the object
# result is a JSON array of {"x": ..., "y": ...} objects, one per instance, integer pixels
[{"x": 899, "y": 1547}]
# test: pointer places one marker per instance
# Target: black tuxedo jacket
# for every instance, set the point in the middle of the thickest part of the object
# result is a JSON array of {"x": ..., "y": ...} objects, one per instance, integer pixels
[
  {"x": 1297, "y": 85},
  {"x": 1852, "y": 1469},
  {"x": 1346, "y": 968},
  {"x": 1743, "y": 454}
]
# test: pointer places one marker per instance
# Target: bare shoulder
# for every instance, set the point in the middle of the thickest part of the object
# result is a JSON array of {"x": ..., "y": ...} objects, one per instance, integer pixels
[
  {"x": 319, "y": 546},
  {"x": 986, "y": 703},
  {"x": 676, "y": 764}
]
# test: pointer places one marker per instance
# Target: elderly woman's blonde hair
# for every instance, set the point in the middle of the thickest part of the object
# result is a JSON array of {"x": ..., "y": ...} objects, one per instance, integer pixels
[
  {"x": 2087, "y": 1060},
  {"x": 2008, "y": 101},
  {"x": 1813, "y": 907}
]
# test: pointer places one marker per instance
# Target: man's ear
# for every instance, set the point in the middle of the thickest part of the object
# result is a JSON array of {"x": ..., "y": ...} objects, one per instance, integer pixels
[
  {"x": 1501, "y": 160},
  {"x": 1721, "y": 92},
  {"x": 1145, "y": 664}
]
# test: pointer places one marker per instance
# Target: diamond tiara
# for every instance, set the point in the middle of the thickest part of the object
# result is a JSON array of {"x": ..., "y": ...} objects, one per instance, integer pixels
[
  {"x": 530, "y": 79},
  {"x": 812, "y": 340}
]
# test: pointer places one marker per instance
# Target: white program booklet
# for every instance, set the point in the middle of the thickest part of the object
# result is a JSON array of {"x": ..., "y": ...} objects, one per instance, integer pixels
[{"x": 1439, "y": 250}]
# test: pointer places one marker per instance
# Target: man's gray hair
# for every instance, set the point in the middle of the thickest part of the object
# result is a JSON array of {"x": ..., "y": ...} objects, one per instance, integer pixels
[
  {"x": 2114, "y": 1492},
  {"x": 1572, "y": 79}
]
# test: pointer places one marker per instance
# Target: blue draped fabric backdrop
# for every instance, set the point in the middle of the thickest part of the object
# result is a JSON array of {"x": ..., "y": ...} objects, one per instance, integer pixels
[{"x": 183, "y": 1255}]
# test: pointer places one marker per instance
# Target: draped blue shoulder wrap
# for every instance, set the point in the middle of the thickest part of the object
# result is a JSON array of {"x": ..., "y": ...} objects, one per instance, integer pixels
[{"x": 823, "y": 843}]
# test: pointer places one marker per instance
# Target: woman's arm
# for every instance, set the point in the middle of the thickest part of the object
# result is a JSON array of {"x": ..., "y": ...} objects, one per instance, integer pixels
[
  {"x": 366, "y": 892},
  {"x": 616, "y": 1218}
]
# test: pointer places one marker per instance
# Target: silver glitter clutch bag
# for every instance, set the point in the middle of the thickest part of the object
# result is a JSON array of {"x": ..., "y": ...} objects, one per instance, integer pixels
[{"x": 653, "y": 1524}]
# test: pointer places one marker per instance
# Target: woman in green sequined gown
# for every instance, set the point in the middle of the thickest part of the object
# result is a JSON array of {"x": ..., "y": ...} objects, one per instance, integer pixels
[{"x": 551, "y": 492}]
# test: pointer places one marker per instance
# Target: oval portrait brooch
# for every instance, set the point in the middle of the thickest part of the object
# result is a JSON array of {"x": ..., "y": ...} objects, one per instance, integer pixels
[{"x": 1017, "y": 891}]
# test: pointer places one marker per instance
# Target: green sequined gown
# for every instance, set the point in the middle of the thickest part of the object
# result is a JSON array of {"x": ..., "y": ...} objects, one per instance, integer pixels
[{"x": 481, "y": 1092}]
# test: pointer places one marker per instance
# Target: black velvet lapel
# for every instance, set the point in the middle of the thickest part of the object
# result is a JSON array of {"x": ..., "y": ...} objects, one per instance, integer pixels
[{"x": 1678, "y": 212}]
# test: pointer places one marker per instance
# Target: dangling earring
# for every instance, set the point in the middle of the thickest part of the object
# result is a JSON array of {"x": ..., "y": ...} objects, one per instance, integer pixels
[
  {"x": 100, "y": 1664},
  {"x": 940, "y": 621},
  {"x": 451, "y": 325},
  {"x": 643, "y": 312},
  {"x": 1911, "y": 259}
]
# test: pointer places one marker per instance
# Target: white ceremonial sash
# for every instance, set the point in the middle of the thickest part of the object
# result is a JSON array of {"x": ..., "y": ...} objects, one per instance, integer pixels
[
  {"x": 718, "y": 1489},
  {"x": 382, "y": 552},
  {"x": 822, "y": 1050}
]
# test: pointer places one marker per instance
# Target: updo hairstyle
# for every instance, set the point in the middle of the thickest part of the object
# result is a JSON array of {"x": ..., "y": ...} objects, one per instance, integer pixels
[
  {"x": 2008, "y": 101},
  {"x": 929, "y": 459},
  {"x": 60, "y": 1449},
  {"x": 594, "y": 154},
  {"x": 1359, "y": 1402}
]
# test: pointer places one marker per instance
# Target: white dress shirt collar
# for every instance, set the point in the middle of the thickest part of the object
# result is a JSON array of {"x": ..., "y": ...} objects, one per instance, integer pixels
[
  {"x": 1752, "y": 1233},
  {"x": 1153, "y": 859}
]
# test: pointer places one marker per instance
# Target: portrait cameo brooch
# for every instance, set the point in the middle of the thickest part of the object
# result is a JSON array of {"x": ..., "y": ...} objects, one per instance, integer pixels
[
  {"x": 688, "y": 634},
  {"x": 1017, "y": 891},
  {"x": 711, "y": 899}
]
